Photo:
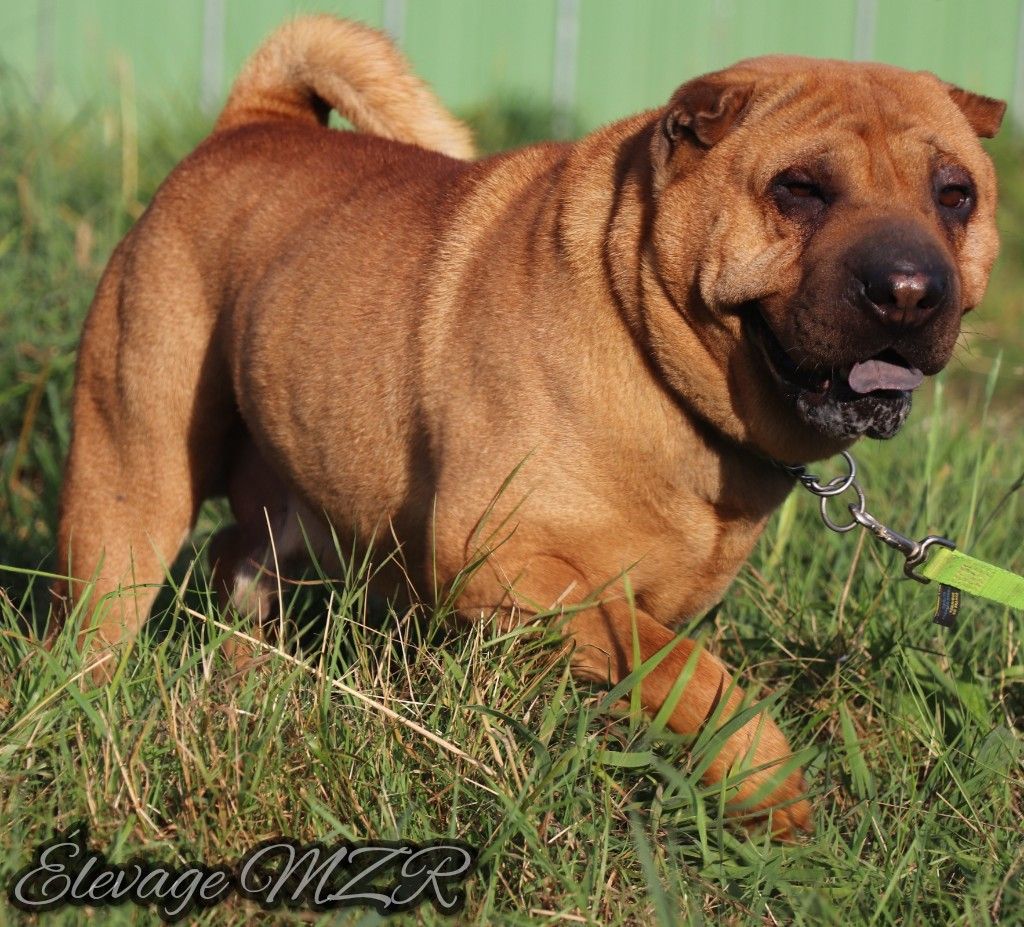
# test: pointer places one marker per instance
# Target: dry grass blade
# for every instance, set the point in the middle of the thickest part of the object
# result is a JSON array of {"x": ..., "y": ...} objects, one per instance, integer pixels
[{"x": 338, "y": 685}]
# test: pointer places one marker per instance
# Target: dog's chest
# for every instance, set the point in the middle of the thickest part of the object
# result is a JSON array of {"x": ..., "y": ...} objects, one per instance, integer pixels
[{"x": 688, "y": 570}]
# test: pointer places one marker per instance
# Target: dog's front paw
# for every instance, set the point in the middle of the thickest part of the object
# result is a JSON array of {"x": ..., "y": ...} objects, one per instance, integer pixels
[
  {"x": 790, "y": 813},
  {"x": 792, "y": 820},
  {"x": 756, "y": 801}
]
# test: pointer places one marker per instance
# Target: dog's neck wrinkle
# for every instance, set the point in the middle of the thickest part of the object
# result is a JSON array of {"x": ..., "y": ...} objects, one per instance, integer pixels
[
  {"x": 633, "y": 285},
  {"x": 616, "y": 224},
  {"x": 602, "y": 165}
]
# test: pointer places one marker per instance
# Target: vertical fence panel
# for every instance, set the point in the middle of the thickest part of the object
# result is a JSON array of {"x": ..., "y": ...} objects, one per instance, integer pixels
[
  {"x": 974, "y": 44},
  {"x": 19, "y": 41},
  {"x": 159, "y": 45},
  {"x": 473, "y": 52},
  {"x": 792, "y": 27},
  {"x": 632, "y": 56}
]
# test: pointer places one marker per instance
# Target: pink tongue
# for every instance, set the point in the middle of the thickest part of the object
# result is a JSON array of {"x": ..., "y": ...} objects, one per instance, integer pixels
[{"x": 867, "y": 376}]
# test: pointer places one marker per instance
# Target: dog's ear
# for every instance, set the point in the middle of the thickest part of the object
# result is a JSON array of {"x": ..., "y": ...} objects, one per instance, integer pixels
[
  {"x": 698, "y": 116},
  {"x": 703, "y": 110},
  {"x": 984, "y": 114}
]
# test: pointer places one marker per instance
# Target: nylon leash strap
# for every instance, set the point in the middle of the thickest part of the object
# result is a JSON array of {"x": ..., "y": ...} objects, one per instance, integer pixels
[{"x": 933, "y": 558}]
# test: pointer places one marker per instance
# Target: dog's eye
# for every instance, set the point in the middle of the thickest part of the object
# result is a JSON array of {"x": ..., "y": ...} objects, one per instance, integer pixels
[
  {"x": 797, "y": 195},
  {"x": 953, "y": 189},
  {"x": 803, "y": 190},
  {"x": 954, "y": 197}
]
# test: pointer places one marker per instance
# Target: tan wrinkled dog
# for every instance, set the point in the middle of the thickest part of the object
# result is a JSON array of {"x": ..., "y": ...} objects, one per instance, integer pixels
[{"x": 367, "y": 331}]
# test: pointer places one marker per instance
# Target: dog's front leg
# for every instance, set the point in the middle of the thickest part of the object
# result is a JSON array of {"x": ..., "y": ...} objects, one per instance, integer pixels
[{"x": 606, "y": 639}]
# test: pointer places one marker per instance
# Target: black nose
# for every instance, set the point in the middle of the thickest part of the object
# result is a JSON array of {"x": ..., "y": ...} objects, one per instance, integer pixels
[
  {"x": 903, "y": 275},
  {"x": 902, "y": 294}
]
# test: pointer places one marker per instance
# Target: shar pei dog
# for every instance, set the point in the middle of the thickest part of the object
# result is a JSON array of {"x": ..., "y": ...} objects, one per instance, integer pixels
[{"x": 575, "y": 365}]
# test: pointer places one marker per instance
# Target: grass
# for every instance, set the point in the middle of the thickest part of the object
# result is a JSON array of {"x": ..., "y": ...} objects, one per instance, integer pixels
[{"x": 913, "y": 734}]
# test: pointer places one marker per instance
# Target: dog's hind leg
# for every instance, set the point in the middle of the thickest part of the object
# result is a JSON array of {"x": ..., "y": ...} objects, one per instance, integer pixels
[
  {"x": 151, "y": 412},
  {"x": 245, "y": 556}
]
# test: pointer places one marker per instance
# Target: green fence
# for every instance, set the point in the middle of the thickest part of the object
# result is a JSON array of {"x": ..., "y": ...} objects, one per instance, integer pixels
[{"x": 599, "y": 59}]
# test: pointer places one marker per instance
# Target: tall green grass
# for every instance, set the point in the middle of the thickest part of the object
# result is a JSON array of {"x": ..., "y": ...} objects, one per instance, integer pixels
[{"x": 396, "y": 728}]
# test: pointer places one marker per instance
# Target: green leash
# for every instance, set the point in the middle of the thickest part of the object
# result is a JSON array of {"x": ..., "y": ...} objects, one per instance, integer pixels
[
  {"x": 955, "y": 569},
  {"x": 955, "y": 572}
]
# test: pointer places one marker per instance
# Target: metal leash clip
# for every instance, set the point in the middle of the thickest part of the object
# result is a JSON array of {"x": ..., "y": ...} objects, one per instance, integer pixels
[{"x": 914, "y": 552}]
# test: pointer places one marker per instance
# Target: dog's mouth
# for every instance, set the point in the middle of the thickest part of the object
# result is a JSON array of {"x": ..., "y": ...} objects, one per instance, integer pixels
[{"x": 870, "y": 396}]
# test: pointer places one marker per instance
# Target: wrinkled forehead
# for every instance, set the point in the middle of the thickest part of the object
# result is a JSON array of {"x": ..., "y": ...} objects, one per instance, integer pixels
[
  {"x": 856, "y": 77},
  {"x": 874, "y": 114}
]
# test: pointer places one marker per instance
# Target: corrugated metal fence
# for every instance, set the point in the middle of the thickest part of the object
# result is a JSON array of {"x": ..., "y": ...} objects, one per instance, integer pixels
[{"x": 596, "y": 59}]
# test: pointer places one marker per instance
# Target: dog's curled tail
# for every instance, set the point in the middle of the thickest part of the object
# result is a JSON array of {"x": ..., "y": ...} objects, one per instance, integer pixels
[{"x": 315, "y": 63}]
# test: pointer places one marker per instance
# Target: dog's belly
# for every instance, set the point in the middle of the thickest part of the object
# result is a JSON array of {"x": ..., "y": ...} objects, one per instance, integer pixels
[{"x": 539, "y": 552}]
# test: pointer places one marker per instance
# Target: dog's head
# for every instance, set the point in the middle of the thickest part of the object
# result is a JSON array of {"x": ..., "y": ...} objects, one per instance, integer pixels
[{"x": 825, "y": 225}]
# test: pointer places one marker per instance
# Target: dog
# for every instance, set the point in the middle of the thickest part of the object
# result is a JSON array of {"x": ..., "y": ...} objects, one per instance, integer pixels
[{"x": 573, "y": 366}]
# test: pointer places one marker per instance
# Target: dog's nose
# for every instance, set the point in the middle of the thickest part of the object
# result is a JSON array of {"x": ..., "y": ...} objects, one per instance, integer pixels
[{"x": 903, "y": 296}]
